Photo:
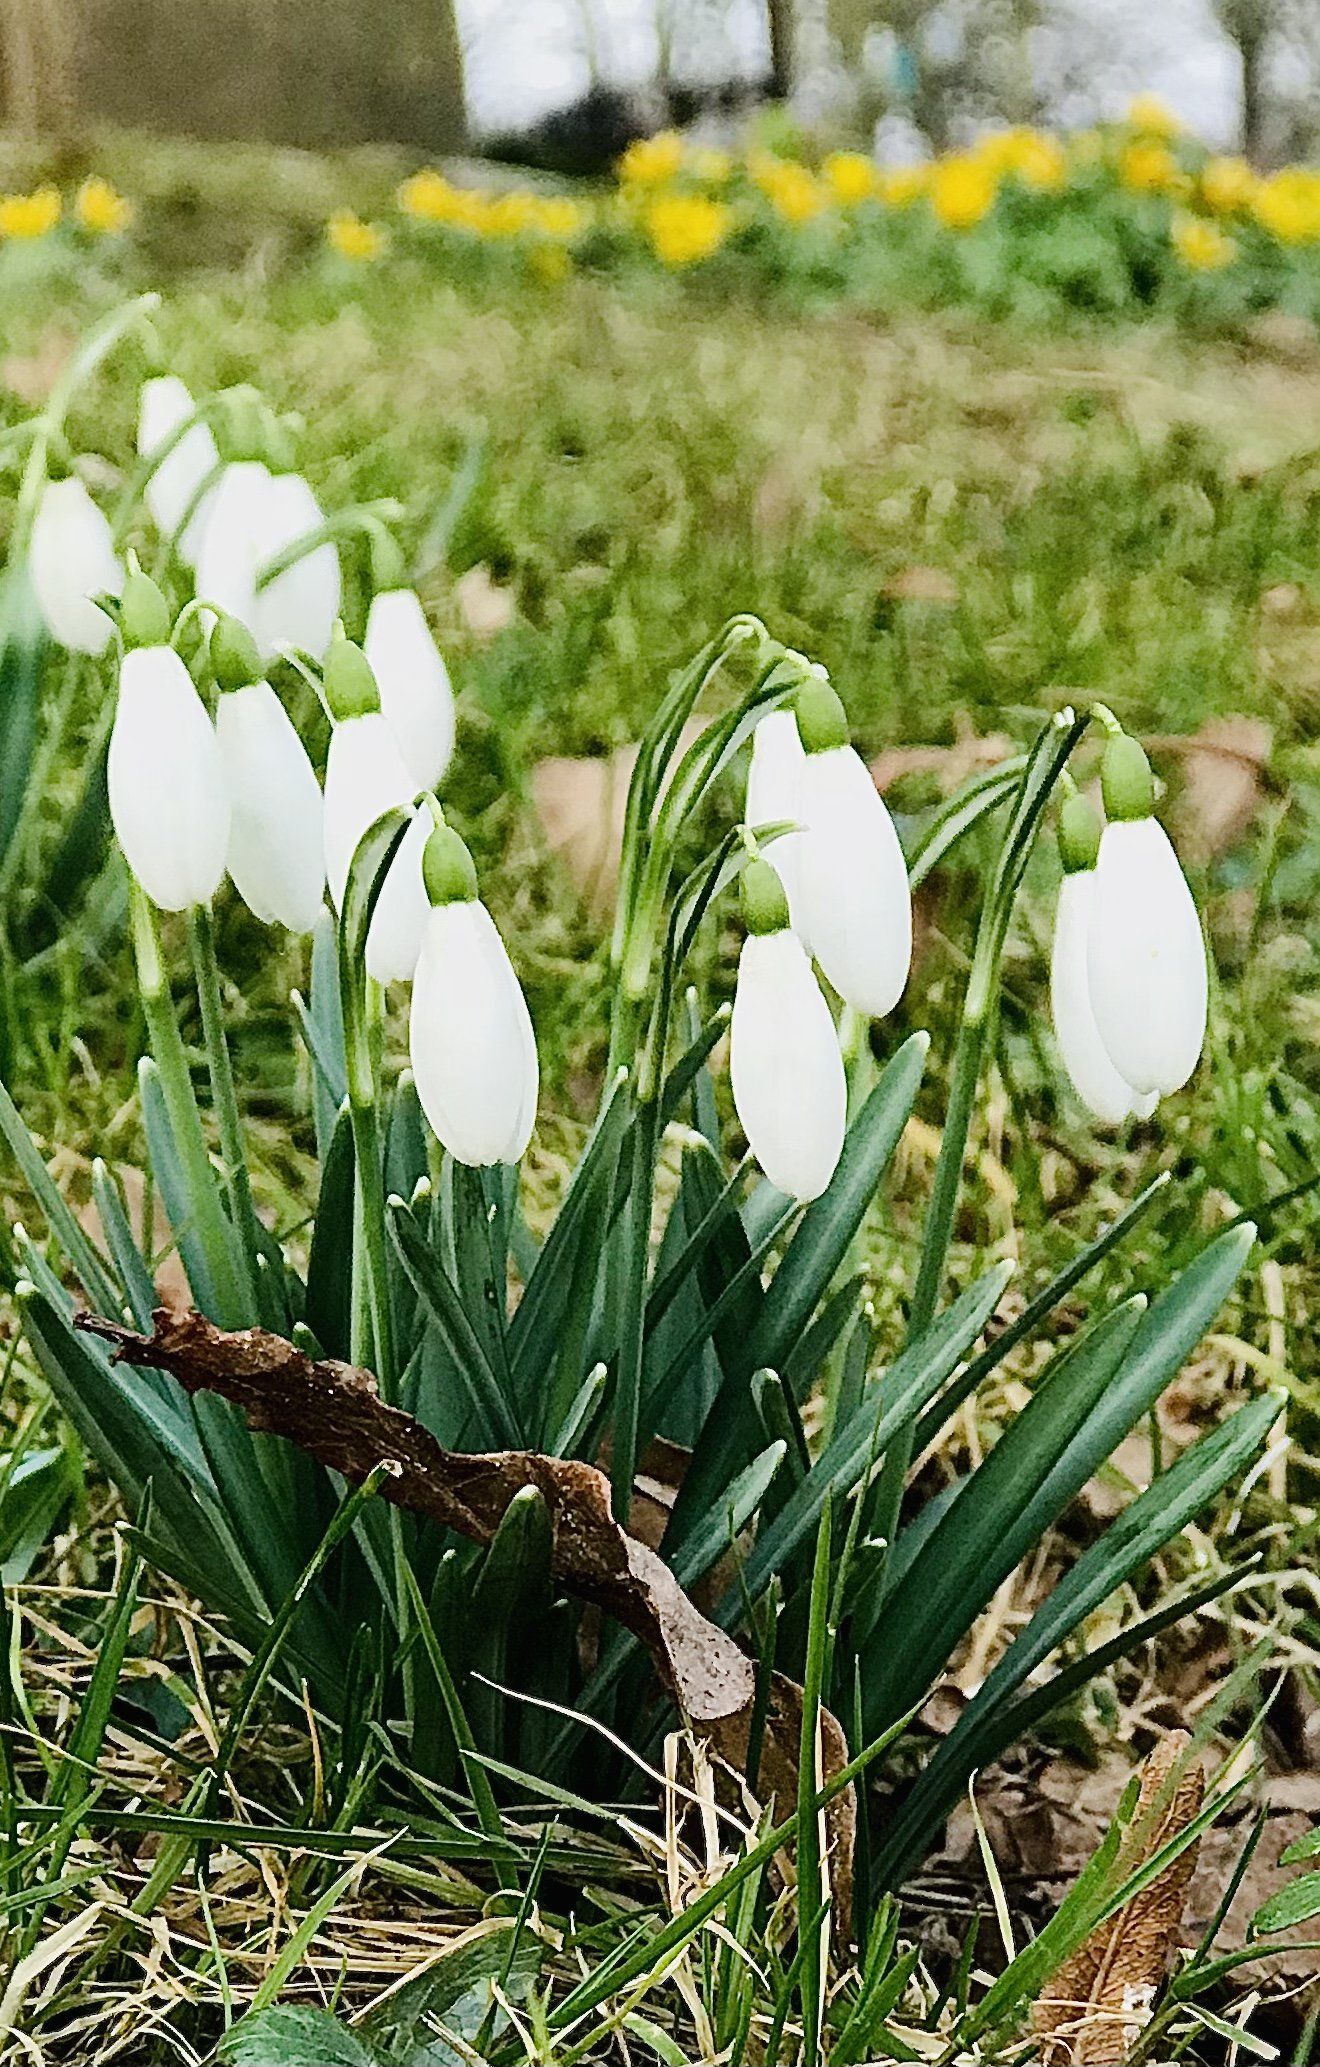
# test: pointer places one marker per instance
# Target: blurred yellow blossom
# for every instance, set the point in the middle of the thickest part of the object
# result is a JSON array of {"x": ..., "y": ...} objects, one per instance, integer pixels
[
  {"x": 652, "y": 161},
  {"x": 1288, "y": 205},
  {"x": 101, "y": 209},
  {"x": 1227, "y": 185},
  {"x": 901, "y": 185},
  {"x": 850, "y": 176},
  {"x": 354, "y": 239},
  {"x": 1149, "y": 168},
  {"x": 426, "y": 195},
  {"x": 29, "y": 215},
  {"x": 1201, "y": 244},
  {"x": 962, "y": 191},
  {"x": 1152, "y": 116},
  {"x": 1034, "y": 158},
  {"x": 792, "y": 191},
  {"x": 557, "y": 215},
  {"x": 684, "y": 228},
  {"x": 507, "y": 215}
]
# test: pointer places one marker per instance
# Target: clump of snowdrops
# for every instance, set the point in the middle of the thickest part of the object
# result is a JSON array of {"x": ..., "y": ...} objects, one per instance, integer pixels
[{"x": 591, "y": 1337}]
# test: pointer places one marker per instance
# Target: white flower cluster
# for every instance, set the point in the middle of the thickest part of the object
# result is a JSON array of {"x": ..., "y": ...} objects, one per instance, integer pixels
[{"x": 193, "y": 798}]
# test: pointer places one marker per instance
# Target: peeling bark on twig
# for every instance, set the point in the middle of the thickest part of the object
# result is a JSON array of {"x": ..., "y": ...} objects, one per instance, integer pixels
[{"x": 335, "y": 1413}]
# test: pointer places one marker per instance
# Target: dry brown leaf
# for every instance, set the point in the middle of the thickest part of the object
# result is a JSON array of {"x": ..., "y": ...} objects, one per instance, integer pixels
[
  {"x": 1292, "y": 1808},
  {"x": 921, "y": 585},
  {"x": 485, "y": 607},
  {"x": 335, "y": 1413},
  {"x": 31, "y": 376},
  {"x": 952, "y": 764},
  {"x": 1094, "y": 2007},
  {"x": 580, "y": 801},
  {"x": 1224, "y": 767}
]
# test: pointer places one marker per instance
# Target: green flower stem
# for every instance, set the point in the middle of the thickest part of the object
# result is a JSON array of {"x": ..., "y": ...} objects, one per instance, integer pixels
[
  {"x": 226, "y": 1291},
  {"x": 1045, "y": 764},
  {"x": 150, "y": 464},
  {"x": 362, "y": 517},
  {"x": 224, "y": 1098},
  {"x": 373, "y": 1314}
]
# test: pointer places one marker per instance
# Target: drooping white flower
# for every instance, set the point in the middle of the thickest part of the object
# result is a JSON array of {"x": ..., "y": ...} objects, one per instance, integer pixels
[
  {"x": 1146, "y": 956},
  {"x": 415, "y": 691},
  {"x": 364, "y": 776},
  {"x": 850, "y": 878},
  {"x": 470, "y": 1037},
  {"x": 252, "y": 517},
  {"x": 169, "y": 803},
  {"x": 276, "y": 854},
  {"x": 394, "y": 937},
  {"x": 787, "y": 1073},
  {"x": 298, "y": 607},
  {"x": 774, "y": 795},
  {"x": 71, "y": 558},
  {"x": 1090, "y": 1069},
  {"x": 174, "y": 490}
]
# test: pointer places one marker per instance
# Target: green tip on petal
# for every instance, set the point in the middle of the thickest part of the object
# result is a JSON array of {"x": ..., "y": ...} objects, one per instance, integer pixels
[
  {"x": 1126, "y": 782},
  {"x": 447, "y": 868},
  {"x": 350, "y": 686},
  {"x": 242, "y": 423},
  {"x": 388, "y": 570},
  {"x": 1079, "y": 835},
  {"x": 765, "y": 907},
  {"x": 822, "y": 720},
  {"x": 235, "y": 659},
  {"x": 144, "y": 615}
]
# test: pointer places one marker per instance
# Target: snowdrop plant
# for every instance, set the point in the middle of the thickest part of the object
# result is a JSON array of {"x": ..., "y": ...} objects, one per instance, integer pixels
[{"x": 710, "y": 1323}]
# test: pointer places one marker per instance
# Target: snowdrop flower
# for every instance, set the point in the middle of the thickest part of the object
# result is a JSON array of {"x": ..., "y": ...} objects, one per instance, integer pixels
[
  {"x": 850, "y": 878},
  {"x": 175, "y": 485},
  {"x": 1090, "y": 1069},
  {"x": 71, "y": 558},
  {"x": 276, "y": 855},
  {"x": 232, "y": 544},
  {"x": 415, "y": 691},
  {"x": 470, "y": 1038},
  {"x": 774, "y": 794},
  {"x": 301, "y": 605},
  {"x": 365, "y": 776},
  {"x": 787, "y": 1072},
  {"x": 1146, "y": 955},
  {"x": 168, "y": 800},
  {"x": 252, "y": 517}
]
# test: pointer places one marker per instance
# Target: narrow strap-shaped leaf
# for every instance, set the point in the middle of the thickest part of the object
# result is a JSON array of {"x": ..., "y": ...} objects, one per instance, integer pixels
[
  {"x": 439, "y": 1295},
  {"x": 1138, "y": 1534},
  {"x": 330, "y": 1263},
  {"x": 134, "y": 1275},
  {"x": 172, "y": 1186},
  {"x": 93, "y": 1272},
  {"x": 892, "y": 1404}
]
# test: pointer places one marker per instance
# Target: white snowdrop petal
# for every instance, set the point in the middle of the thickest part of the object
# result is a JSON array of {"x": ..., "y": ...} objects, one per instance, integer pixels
[
  {"x": 1094, "y": 1078},
  {"x": 232, "y": 544},
  {"x": 1146, "y": 960},
  {"x": 774, "y": 793},
  {"x": 415, "y": 691},
  {"x": 276, "y": 854},
  {"x": 71, "y": 558},
  {"x": 168, "y": 800},
  {"x": 470, "y": 1039},
  {"x": 364, "y": 776},
  {"x": 787, "y": 1073},
  {"x": 852, "y": 883},
  {"x": 174, "y": 488},
  {"x": 394, "y": 937},
  {"x": 300, "y": 606}
]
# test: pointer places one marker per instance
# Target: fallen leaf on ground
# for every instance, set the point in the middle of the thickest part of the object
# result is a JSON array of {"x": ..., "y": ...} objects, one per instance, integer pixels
[
  {"x": 1094, "y": 2007},
  {"x": 484, "y": 606},
  {"x": 921, "y": 585},
  {"x": 951, "y": 764},
  {"x": 580, "y": 801},
  {"x": 1223, "y": 780},
  {"x": 335, "y": 1413},
  {"x": 31, "y": 375}
]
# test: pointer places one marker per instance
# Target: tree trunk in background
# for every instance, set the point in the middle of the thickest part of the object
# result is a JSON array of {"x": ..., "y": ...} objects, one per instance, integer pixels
[
  {"x": 1249, "y": 25},
  {"x": 319, "y": 73},
  {"x": 782, "y": 52},
  {"x": 36, "y": 54}
]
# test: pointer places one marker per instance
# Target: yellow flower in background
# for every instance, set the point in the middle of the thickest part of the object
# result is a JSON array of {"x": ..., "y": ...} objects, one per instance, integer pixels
[
  {"x": 354, "y": 239},
  {"x": 1288, "y": 205},
  {"x": 1151, "y": 116},
  {"x": 508, "y": 215},
  {"x": 962, "y": 191},
  {"x": 685, "y": 228},
  {"x": 1201, "y": 244},
  {"x": 29, "y": 215},
  {"x": 426, "y": 195},
  {"x": 901, "y": 185},
  {"x": 1034, "y": 158},
  {"x": 792, "y": 191},
  {"x": 558, "y": 216},
  {"x": 652, "y": 161},
  {"x": 851, "y": 177},
  {"x": 1227, "y": 185},
  {"x": 101, "y": 209},
  {"x": 1149, "y": 168}
]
